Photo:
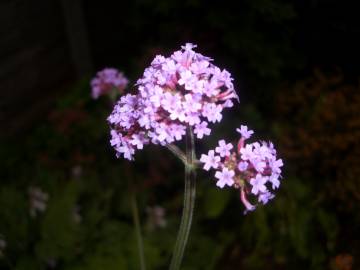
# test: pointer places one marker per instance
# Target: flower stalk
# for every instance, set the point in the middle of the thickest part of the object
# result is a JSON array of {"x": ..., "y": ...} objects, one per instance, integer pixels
[
  {"x": 189, "y": 201},
  {"x": 135, "y": 214},
  {"x": 177, "y": 152}
]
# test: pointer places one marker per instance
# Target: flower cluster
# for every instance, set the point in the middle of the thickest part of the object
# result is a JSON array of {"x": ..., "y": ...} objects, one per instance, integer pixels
[
  {"x": 253, "y": 168},
  {"x": 185, "y": 89},
  {"x": 38, "y": 200},
  {"x": 155, "y": 217},
  {"x": 108, "y": 81}
]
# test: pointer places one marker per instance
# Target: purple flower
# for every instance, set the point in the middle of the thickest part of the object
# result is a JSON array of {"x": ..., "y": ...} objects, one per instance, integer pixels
[
  {"x": 265, "y": 197},
  {"x": 191, "y": 104},
  {"x": 259, "y": 164},
  {"x": 253, "y": 168},
  {"x": 258, "y": 184},
  {"x": 210, "y": 160},
  {"x": 211, "y": 88},
  {"x": 223, "y": 149},
  {"x": 187, "y": 79},
  {"x": 177, "y": 131},
  {"x": 274, "y": 180},
  {"x": 138, "y": 140},
  {"x": 247, "y": 152},
  {"x": 162, "y": 133},
  {"x": 158, "y": 60},
  {"x": 276, "y": 165},
  {"x": 245, "y": 132},
  {"x": 174, "y": 92},
  {"x": 188, "y": 47},
  {"x": 242, "y": 166},
  {"x": 106, "y": 81},
  {"x": 178, "y": 113},
  {"x": 127, "y": 151},
  {"x": 225, "y": 178},
  {"x": 212, "y": 112},
  {"x": 169, "y": 66},
  {"x": 192, "y": 118},
  {"x": 262, "y": 151},
  {"x": 199, "y": 67},
  {"x": 156, "y": 96},
  {"x": 201, "y": 130},
  {"x": 171, "y": 102}
]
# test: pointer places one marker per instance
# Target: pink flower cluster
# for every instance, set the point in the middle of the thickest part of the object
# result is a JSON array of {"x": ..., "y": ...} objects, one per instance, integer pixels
[
  {"x": 253, "y": 168},
  {"x": 182, "y": 90},
  {"x": 107, "y": 81}
]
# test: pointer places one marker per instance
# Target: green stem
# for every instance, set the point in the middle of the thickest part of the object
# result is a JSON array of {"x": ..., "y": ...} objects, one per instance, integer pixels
[
  {"x": 177, "y": 152},
  {"x": 189, "y": 202},
  {"x": 135, "y": 214}
]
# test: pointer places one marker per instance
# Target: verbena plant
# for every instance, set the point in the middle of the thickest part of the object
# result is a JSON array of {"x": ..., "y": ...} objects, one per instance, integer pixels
[{"x": 177, "y": 98}]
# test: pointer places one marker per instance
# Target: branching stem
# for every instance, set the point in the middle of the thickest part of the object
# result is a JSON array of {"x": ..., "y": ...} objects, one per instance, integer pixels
[{"x": 189, "y": 201}]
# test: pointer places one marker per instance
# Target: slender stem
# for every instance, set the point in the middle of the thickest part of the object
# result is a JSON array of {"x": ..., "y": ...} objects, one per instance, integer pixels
[
  {"x": 177, "y": 152},
  {"x": 139, "y": 240},
  {"x": 189, "y": 202}
]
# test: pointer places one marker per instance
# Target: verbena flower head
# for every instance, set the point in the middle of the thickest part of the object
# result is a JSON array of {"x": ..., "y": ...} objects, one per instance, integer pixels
[
  {"x": 174, "y": 92},
  {"x": 253, "y": 168},
  {"x": 108, "y": 81}
]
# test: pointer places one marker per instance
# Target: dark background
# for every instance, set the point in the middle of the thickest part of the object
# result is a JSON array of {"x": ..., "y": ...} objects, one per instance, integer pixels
[{"x": 295, "y": 65}]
